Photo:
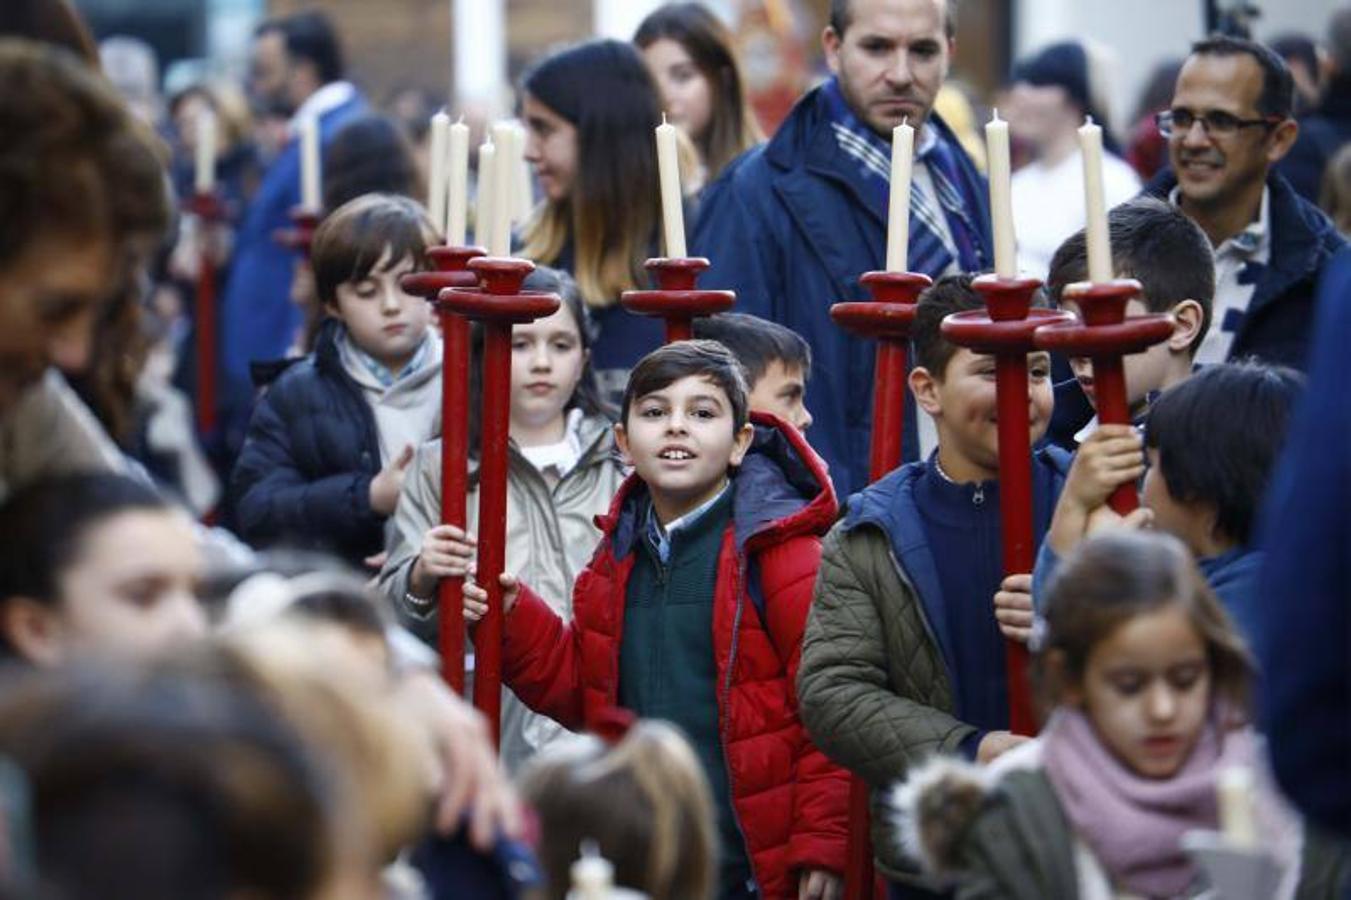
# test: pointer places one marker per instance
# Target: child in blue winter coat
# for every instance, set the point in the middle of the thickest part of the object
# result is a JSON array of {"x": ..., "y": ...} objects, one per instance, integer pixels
[{"x": 323, "y": 461}]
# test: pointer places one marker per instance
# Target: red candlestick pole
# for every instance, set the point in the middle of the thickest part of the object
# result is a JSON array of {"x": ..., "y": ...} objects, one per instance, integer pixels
[
  {"x": 1105, "y": 335},
  {"x": 676, "y": 299},
  {"x": 1005, "y": 331},
  {"x": 452, "y": 270},
  {"x": 887, "y": 319},
  {"x": 499, "y": 305},
  {"x": 209, "y": 211}
]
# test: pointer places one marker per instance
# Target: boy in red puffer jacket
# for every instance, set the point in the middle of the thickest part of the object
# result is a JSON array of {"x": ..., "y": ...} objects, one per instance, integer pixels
[{"x": 692, "y": 610}]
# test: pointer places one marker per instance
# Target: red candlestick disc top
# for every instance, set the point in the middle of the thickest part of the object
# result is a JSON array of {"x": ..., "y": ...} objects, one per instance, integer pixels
[
  {"x": 452, "y": 270},
  {"x": 501, "y": 298},
  {"x": 675, "y": 294},
  {"x": 1104, "y": 329},
  {"x": 892, "y": 311}
]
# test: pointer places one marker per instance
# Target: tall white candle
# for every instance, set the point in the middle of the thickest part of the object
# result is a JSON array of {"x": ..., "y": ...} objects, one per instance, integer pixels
[
  {"x": 457, "y": 176},
  {"x": 310, "y": 173},
  {"x": 1001, "y": 197},
  {"x": 504, "y": 139},
  {"x": 204, "y": 180},
  {"x": 437, "y": 170},
  {"x": 1234, "y": 790},
  {"x": 483, "y": 221},
  {"x": 672, "y": 211},
  {"x": 1095, "y": 204},
  {"x": 898, "y": 211}
]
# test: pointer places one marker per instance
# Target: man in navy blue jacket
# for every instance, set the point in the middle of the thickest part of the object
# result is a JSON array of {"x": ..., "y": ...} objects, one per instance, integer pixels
[
  {"x": 791, "y": 225},
  {"x": 1304, "y": 620},
  {"x": 297, "y": 70},
  {"x": 1229, "y": 124}
]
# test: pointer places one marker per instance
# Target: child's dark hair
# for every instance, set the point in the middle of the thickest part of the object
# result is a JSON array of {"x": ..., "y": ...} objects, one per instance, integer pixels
[
  {"x": 756, "y": 343},
  {"x": 1118, "y": 575},
  {"x": 950, "y": 294},
  {"x": 1156, "y": 244},
  {"x": 1218, "y": 435},
  {"x": 45, "y": 524},
  {"x": 186, "y": 788},
  {"x": 705, "y": 359},
  {"x": 353, "y": 238},
  {"x": 587, "y": 396}
]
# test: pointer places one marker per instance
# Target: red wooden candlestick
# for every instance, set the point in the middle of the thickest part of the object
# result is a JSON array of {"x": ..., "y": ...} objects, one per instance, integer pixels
[
  {"x": 1005, "y": 331},
  {"x": 451, "y": 271},
  {"x": 498, "y": 305},
  {"x": 887, "y": 318},
  {"x": 209, "y": 210},
  {"x": 1105, "y": 335},
  {"x": 300, "y": 235},
  {"x": 677, "y": 300}
]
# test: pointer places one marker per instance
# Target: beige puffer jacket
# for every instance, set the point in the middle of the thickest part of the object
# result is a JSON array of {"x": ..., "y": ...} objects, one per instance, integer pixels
[{"x": 551, "y": 535}]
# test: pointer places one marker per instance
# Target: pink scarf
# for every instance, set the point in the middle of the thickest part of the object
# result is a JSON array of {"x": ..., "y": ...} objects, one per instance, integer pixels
[{"x": 1134, "y": 824}]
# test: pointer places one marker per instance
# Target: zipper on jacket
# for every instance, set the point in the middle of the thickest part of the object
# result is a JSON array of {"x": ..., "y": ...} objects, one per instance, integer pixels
[
  {"x": 978, "y": 496},
  {"x": 738, "y": 579}
]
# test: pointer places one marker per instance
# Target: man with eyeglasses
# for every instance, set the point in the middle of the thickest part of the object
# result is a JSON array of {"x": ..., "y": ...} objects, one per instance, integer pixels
[{"x": 1229, "y": 124}]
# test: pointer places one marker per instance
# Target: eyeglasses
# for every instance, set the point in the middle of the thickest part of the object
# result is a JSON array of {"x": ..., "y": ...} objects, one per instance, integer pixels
[{"x": 1174, "y": 122}]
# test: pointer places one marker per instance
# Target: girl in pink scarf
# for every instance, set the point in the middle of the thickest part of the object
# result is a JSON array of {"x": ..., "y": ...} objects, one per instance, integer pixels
[{"x": 1150, "y": 681}]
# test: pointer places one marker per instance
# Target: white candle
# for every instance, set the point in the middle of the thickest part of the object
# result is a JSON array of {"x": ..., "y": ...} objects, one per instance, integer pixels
[
  {"x": 437, "y": 161},
  {"x": 504, "y": 139},
  {"x": 1095, "y": 204},
  {"x": 1001, "y": 197},
  {"x": 672, "y": 211},
  {"x": 898, "y": 212},
  {"x": 483, "y": 222},
  {"x": 592, "y": 874},
  {"x": 310, "y": 177},
  {"x": 1234, "y": 789},
  {"x": 205, "y": 176},
  {"x": 457, "y": 177}
]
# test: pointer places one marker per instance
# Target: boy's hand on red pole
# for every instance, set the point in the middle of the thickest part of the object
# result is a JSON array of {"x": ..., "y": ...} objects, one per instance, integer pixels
[
  {"x": 819, "y": 884},
  {"x": 1111, "y": 456},
  {"x": 447, "y": 552},
  {"x": 388, "y": 482},
  {"x": 1013, "y": 607},
  {"x": 476, "y": 598}
]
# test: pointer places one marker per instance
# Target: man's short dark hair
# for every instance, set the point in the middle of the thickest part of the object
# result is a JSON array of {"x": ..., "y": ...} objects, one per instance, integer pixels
[
  {"x": 757, "y": 343},
  {"x": 1278, "y": 85},
  {"x": 351, "y": 240},
  {"x": 705, "y": 359},
  {"x": 309, "y": 35},
  {"x": 841, "y": 15},
  {"x": 1156, "y": 244},
  {"x": 1218, "y": 435}
]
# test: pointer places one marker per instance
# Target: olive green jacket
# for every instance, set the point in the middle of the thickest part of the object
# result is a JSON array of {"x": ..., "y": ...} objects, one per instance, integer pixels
[{"x": 873, "y": 689}]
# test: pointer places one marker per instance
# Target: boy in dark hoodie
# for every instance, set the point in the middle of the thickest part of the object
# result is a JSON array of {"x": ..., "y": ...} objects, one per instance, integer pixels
[
  {"x": 692, "y": 610},
  {"x": 904, "y": 650},
  {"x": 1210, "y": 444}
]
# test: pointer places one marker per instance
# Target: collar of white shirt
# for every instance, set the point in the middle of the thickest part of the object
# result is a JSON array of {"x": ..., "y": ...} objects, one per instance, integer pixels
[
  {"x": 1248, "y": 241},
  {"x": 328, "y": 97}
]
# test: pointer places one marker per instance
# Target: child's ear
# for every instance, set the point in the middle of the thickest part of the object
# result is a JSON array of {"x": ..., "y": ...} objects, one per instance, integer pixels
[
  {"x": 924, "y": 387},
  {"x": 1187, "y": 317},
  {"x": 622, "y": 442},
  {"x": 741, "y": 443},
  {"x": 31, "y": 628}
]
